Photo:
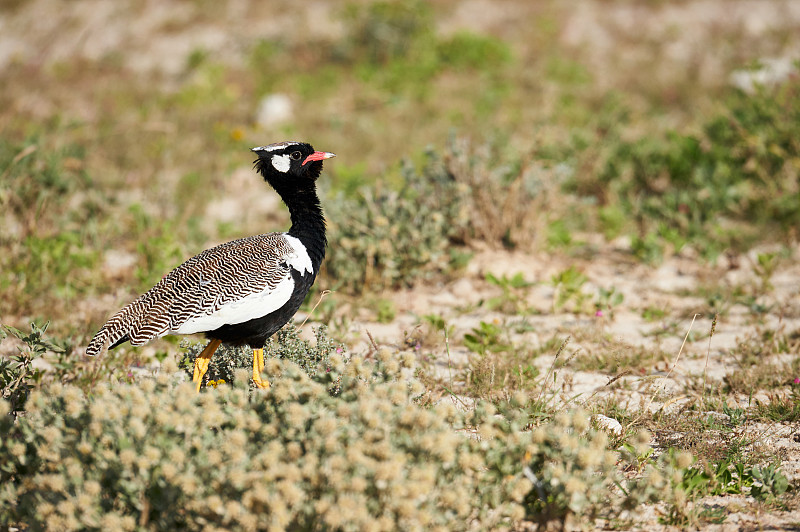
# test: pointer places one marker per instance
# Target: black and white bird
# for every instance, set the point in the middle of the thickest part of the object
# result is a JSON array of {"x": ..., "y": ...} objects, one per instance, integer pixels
[{"x": 243, "y": 291}]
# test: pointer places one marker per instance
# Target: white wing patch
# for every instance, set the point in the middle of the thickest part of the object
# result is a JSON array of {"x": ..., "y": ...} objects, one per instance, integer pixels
[
  {"x": 281, "y": 163},
  {"x": 241, "y": 310},
  {"x": 299, "y": 260}
]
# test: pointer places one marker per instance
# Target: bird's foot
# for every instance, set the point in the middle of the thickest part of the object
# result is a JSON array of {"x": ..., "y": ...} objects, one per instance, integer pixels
[
  {"x": 258, "y": 367},
  {"x": 202, "y": 361},
  {"x": 200, "y": 368}
]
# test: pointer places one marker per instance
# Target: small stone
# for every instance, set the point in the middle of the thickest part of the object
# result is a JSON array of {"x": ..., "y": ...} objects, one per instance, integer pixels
[
  {"x": 274, "y": 110},
  {"x": 117, "y": 262},
  {"x": 772, "y": 71},
  {"x": 607, "y": 424}
]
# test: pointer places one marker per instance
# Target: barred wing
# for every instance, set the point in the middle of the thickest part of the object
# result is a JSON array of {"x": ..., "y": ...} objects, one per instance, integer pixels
[{"x": 225, "y": 285}]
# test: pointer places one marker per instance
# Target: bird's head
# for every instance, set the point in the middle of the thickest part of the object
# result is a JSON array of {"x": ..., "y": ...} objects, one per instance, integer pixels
[{"x": 289, "y": 164}]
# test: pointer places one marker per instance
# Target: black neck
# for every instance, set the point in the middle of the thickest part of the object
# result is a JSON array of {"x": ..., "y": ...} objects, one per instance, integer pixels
[{"x": 308, "y": 223}]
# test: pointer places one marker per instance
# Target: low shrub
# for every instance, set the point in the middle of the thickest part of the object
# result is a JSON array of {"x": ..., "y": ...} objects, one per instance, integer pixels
[
  {"x": 391, "y": 237},
  {"x": 570, "y": 467},
  {"x": 17, "y": 374},
  {"x": 286, "y": 344},
  {"x": 337, "y": 442},
  {"x": 157, "y": 456},
  {"x": 386, "y": 237},
  {"x": 341, "y": 447}
]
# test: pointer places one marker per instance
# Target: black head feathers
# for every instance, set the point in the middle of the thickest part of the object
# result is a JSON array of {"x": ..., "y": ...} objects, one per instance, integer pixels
[{"x": 284, "y": 162}]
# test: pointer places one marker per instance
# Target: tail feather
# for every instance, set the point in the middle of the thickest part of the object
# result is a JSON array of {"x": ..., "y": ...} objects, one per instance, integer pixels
[
  {"x": 99, "y": 343},
  {"x": 138, "y": 322},
  {"x": 119, "y": 342}
]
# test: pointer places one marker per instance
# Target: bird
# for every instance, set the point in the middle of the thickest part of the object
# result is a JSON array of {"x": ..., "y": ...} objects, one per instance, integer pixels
[{"x": 243, "y": 291}]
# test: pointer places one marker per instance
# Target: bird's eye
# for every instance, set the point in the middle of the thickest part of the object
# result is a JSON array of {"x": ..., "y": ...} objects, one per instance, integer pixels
[{"x": 296, "y": 155}]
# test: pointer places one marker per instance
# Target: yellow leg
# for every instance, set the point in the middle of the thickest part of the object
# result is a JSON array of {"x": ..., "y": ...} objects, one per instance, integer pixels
[
  {"x": 202, "y": 360},
  {"x": 258, "y": 367}
]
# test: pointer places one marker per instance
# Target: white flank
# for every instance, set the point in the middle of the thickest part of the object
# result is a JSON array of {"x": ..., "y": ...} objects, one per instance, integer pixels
[
  {"x": 242, "y": 310},
  {"x": 299, "y": 260},
  {"x": 281, "y": 163}
]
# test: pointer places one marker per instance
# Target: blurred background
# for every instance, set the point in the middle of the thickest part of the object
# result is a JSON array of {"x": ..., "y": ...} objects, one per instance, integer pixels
[{"x": 658, "y": 127}]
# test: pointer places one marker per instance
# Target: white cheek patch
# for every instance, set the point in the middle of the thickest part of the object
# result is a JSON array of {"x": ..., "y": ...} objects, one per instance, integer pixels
[{"x": 281, "y": 163}]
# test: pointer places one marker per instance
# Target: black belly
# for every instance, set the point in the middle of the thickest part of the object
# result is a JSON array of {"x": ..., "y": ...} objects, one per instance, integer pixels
[{"x": 256, "y": 331}]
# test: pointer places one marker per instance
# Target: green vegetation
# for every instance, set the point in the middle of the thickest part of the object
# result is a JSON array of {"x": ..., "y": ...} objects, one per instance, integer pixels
[
  {"x": 486, "y": 338},
  {"x": 17, "y": 374},
  {"x": 507, "y": 140},
  {"x": 568, "y": 286},
  {"x": 514, "y": 297},
  {"x": 721, "y": 189},
  {"x": 44, "y": 240}
]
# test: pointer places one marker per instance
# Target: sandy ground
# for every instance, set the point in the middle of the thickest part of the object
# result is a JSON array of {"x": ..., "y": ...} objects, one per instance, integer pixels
[{"x": 663, "y": 386}]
